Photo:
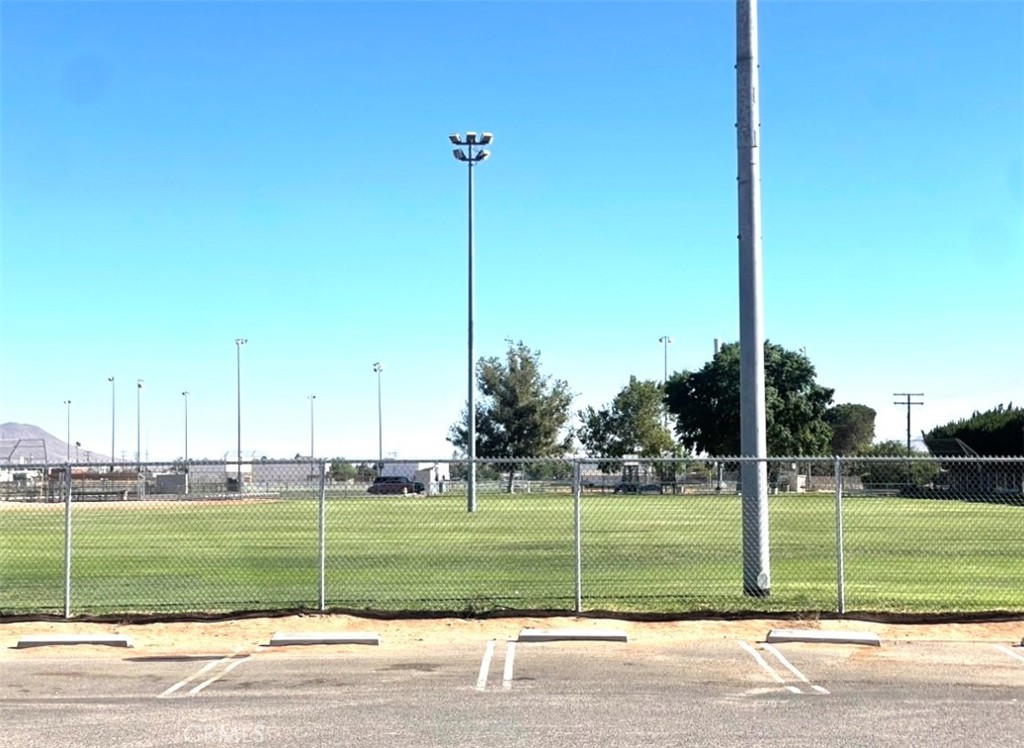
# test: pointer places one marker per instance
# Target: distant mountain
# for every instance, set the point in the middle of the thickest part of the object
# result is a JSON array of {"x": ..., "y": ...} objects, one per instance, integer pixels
[{"x": 23, "y": 442}]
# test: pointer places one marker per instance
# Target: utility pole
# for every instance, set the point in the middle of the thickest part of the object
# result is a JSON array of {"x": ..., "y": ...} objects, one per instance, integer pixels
[{"x": 908, "y": 402}]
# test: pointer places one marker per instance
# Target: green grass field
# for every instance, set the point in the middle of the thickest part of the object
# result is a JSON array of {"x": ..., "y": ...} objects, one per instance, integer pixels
[{"x": 640, "y": 553}]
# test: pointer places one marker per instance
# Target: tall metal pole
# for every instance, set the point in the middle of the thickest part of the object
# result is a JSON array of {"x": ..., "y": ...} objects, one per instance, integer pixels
[
  {"x": 239, "y": 342},
  {"x": 753, "y": 429},
  {"x": 138, "y": 425},
  {"x": 471, "y": 370},
  {"x": 112, "y": 402},
  {"x": 378, "y": 368},
  {"x": 471, "y": 160},
  {"x": 68, "y": 404},
  {"x": 665, "y": 340},
  {"x": 185, "y": 395},
  {"x": 312, "y": 398}
]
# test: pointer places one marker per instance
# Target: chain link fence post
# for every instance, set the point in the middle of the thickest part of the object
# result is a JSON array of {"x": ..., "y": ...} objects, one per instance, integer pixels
[
  {"x": 840, "y": 573},
  {"x": 577, "y": 491}
]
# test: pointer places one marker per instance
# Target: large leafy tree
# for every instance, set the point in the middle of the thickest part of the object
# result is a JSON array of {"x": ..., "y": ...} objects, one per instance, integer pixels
[
  {"x": 853, "y": 428},
  {"x": 995, "y": 433},
  {"x": 706, "y": 404},
  {"x": 520, "y": 413},
  {"x": 631, "y": 425}
]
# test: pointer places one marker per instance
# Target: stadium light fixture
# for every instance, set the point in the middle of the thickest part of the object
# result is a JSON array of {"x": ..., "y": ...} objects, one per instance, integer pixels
[{"x": 470, "y": 157}]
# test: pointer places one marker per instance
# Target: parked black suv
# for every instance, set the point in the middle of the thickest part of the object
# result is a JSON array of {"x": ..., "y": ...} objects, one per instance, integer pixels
[
  {"x": 639, "y": 488},
  {"x": 396, "y": 484}
]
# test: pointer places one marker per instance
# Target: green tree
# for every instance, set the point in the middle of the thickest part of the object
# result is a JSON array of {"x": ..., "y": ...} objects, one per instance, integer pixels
[
  {"x": 342, "y": 470},
  {"x": 631, "y": 425},
  {"x": 520, "y": 413},
  {"x": 853, "y": 427},
  {"x": 706, "y": 404},
  {"x": 995, "y": 433}
]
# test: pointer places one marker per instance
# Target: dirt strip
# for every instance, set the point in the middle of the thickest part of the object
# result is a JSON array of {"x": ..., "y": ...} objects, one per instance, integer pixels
[{"x": 249, "y": 633}]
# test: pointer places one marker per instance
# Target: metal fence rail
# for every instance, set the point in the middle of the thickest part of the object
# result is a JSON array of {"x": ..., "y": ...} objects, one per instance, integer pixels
[{"x": 883, "y": 534}]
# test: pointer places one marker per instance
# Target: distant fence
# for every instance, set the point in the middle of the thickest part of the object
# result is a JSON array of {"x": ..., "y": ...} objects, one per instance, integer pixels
[{"x": 631, "y": 536}]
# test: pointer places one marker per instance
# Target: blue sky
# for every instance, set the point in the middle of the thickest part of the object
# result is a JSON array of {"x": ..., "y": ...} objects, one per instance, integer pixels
[{"x": 177, "y": 175}]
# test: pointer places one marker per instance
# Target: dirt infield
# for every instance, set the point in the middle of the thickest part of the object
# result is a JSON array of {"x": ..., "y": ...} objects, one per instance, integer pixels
[{"x": 212, "y": 637}]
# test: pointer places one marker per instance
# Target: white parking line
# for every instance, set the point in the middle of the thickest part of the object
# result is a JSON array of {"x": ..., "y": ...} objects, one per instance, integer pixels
[
  {"x": 768, "y": 668},
  {"x": 485, "y": 665},
  {"x": 219, "y": 675},
  {"x": 791, "y": 668},
  {"x": 510, "y": 656},
  {"x": 202, "y": 671},
  {"x": 1009, "y": 652}
]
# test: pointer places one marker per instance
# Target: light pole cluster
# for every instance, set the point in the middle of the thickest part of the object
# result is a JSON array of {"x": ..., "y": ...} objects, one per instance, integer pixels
[
  {"x": 471, "y": 152},
  {"x": 471, "y": 158}
]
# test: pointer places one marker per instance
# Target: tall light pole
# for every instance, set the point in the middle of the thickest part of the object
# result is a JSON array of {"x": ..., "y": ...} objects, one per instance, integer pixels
[
  {"x": 239, "y": 342},
  {"x": 112, "y": 401},
  {"x": 184, "y": 395},
  {"x": 68, "y": 404},
  {"x": 753, "y": 423},
  {"x": 665, "y": 340},
  {"x": 471, "y": 159},
  {"x": 311, "y": 399},
  {"x": 138, "y": 425},
  {"x": 378, "y": 368}
]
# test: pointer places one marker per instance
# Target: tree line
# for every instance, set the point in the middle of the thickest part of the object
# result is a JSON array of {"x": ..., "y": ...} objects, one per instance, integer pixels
[{"x": 523, "y": 413}]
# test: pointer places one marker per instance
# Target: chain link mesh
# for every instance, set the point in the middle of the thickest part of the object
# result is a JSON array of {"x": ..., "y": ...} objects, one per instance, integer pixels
[{"x": 915, "y": 534}]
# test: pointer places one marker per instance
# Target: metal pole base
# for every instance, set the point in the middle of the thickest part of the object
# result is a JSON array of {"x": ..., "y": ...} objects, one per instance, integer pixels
[{"x": 751, "y": 591}]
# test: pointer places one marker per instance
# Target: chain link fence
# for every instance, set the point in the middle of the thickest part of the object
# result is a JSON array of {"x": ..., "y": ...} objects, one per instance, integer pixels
[{"x": 919, "y": 534}]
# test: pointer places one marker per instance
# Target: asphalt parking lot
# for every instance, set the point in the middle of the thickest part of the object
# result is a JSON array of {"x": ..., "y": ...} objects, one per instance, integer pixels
[{"x": 502, "y": 692}]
